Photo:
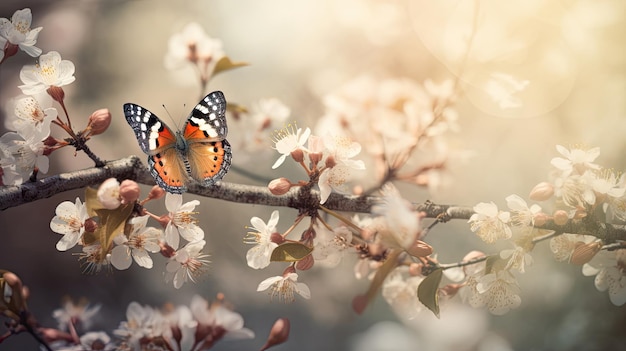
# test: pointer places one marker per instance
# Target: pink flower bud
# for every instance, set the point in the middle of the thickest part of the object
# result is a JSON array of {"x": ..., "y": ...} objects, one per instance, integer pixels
[
  {"x": 315, "y": 157},
  {"x": 330, "y": 161},
  {"x": 583, "y": 253},
  {"x": 415, "y": 269},
  {"x": 359, "y": 303},
  {"x": 542, "y": 191},
  {"x": 297, "y": 155},
  {"x": 99, "y": 121},
  {"x": 278, "y": 334},
  {"x": 279, "y": 186},
  {"x": 57, "y": 93},
  {"x": 540, "y": 219},
  {"x": 451, "y": 289},
  {"x": 419, "y": 249},
  {"x": 277, "y": 238},
  {"x": 91, "y": 225},
  {"x": 156, "y": 193},
  {"x": 129, "y": 191},
  {"x": 560, "y": 217},
  {"x": 306, "y": 263}
]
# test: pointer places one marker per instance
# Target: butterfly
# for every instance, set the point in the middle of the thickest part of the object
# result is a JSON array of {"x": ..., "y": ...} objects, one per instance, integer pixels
[{"x": 198, "y": 151}]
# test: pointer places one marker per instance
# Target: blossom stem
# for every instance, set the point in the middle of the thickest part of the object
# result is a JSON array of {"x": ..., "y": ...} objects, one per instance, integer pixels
[
  {"x": 297, "y": 221},
  {"x": 464, "y": 263},
  {"x": 341, "y": 218}
]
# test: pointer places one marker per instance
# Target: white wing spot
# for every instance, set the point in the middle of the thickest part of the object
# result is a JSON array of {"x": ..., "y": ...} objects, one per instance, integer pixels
[
  {"x": 202, "y": 109},
  {"x": 205, "y": 127},
  {"x": 212, "y": 116}
]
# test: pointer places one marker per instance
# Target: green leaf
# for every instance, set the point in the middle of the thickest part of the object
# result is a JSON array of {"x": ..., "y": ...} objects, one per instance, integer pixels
[
  {"x": 290, "y": 252},
  {"x": 225, "y": 64},
  {"x": 428, "y": 291},
  {"x": 91, "y": 201},
  {"x": 111, "y": 224}
]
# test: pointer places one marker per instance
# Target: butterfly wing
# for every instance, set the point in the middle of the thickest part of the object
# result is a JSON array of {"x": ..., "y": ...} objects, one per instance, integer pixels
[
  {"x": 157, "y": 140},
  {"x": 209, "y": 154}
]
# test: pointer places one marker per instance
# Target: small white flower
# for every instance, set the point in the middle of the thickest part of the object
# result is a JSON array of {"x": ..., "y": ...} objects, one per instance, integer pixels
[
  {"x": 141, "y": 241},
  {"x": 521, "y": 214},
  {"x": 343, "y": 149},
  {"x": 575, "y": 159},
  {"x": 517, "y": 258},
  {"x": 109, "y": 194},
  {"x": 218, "y": 316},
  {"x": 75, "y": 314},
  {"x": 498, "y": 291},
  {"x": 142, "y": 322},
  {"x": 188, "y": 263},
  {"x": 270, "y": 111},
  {"x": 608, "y": 267},
  {"x": 330, "y": 246},
  {"x": 259, "y": 256},
  {"x": 489, "y": 223},
  {"x": 401, "y": 226},
  {"x": 192, "y": 45},
  {"x": 27, "y": 152},
  {"x": 34, "y": 113},
  {"x": 181, "y": 223},
  {"x": 50, "y": 71},
  {"x": 69, "y": 221},
  {"x": 18, "y": 32},
  {"x": 99, "y": 341},
  {"x": 284, "y": 287},
  {"x": 400, "y": 293},
  {"x": 288, "y": 140}
]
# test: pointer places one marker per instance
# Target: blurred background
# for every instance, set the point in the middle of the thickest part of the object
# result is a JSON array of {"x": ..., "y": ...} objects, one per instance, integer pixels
[{"x": 559, "y": 70}]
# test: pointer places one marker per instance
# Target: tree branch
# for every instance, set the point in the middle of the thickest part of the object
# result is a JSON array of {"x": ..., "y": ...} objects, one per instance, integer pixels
[{"x": 301, "y": 198}]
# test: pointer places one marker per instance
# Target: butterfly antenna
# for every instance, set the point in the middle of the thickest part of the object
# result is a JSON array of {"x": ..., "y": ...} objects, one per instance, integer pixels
[{"x": 171, "y": 118}]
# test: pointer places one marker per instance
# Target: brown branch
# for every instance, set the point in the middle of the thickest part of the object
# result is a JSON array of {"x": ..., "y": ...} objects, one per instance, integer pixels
[{"x": 302, "y": 198}]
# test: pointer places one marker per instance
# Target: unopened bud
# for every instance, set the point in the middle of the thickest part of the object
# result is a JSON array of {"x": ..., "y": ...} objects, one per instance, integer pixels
[
  {"x": 166, "y": 250},
  {"x": 297, "y": 155},
  {"x": 129, "y": 191},
  {"x": 306, "y": 263},
  {"x": 109, "y": 194},
  {"x": 9, "y": 50},
  {"x": 330, "y": 161},
  {"x": 57, "y": 93},
  {"x": 99, "y": 121},
  {"x": 279, "y": 186},
  {"x": 156, "y": 193},
  {"x": 415, "y": 269},
  {"x": 315, "y": 157},
  {"x": 540, "y": 219},
  {"x": 583, "y": 253},
  {"x": 560, "y": 217},
  {"x": 278, "y": 334},
  {"x": 277, "y": 238},
  {"x": 450, "y": 290},
  {"x": 91, "y": 225},
  {"x": 359, "y": 303},
  {"x": 419, "y": 249},
  {"x": 542, "y": 191}
]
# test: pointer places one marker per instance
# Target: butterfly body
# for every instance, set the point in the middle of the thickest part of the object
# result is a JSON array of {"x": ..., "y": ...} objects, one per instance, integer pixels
[{"x": 198, "y": 151}]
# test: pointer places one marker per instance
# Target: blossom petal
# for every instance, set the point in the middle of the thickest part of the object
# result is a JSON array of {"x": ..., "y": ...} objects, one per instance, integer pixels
[
  {"x": 267, "y": 283},
  {"x": 120, "y": 257},
  {"x": 142, "y": 258}
]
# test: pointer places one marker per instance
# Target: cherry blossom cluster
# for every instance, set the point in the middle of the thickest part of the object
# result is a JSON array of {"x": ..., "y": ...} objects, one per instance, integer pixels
[
  {"x": 112, "y": 228},
  {"x": 402, "y": 125},
  {"x": 198, "y": 326},
  {"x": 579, "y": 192},
  {"x": 25, "y": 151}
]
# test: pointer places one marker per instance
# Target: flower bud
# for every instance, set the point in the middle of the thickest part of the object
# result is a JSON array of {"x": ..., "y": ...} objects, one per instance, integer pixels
[
  {"x": 419, "y": 249},
  {"x": 560, "y": 217},
  {"x": 109, "y": 194},
  {"x": 279, "y": 186},
  {"x": 330, "y": 161},
  {"x": 57, "y": 93},
  {"x": 278, "y": 334},
  {"x": 90, "y": 225},
  {"x": 156, "y": 193},
  {"x": 542, "y": 191},
  {"x": 166, "y": 250},
  {"x": 99, "y": 121},
  {"x": 359, "y": 303},
  {"x": 306, "y": 263},
  {"x": 277, "y": 238},
  {"x": 129, "y": 191},
  {"x": 415, "y": 269},
  {"x": 450, "y": 290},
  {"x": 583, "y": 253},
  {"x": 297, "y": 155},
  {"x": 315, "y": 157},
  {"x": 540, "y": 219}
]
